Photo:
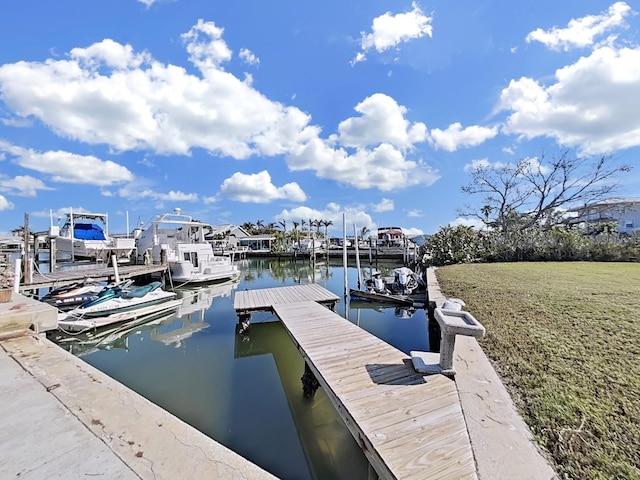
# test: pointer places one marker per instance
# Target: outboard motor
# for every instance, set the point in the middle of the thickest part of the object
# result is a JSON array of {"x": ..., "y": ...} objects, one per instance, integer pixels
[{"x": 378, "y": 283}]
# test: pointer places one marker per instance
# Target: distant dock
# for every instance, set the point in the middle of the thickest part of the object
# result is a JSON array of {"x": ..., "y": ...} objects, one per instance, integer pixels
[{"x": 98, "y": 272}]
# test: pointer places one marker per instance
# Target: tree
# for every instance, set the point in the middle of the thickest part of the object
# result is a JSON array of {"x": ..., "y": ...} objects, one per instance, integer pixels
[
  {"x": 327, "y": 224},
  {"x": 531, "y": 191},
  {"x": 364, "y": 231}
]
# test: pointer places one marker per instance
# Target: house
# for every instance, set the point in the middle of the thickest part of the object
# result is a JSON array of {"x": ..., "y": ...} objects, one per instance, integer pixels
[
  {"x": 226, "y": 237},
  {"x": 624, "y": 211}
]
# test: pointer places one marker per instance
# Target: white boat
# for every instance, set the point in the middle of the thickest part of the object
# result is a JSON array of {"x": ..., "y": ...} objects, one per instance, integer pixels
[
  {"x": 190, "y": 257},
  {"x": 115, "y": 305},
  {"x": 86, "y": 236}
]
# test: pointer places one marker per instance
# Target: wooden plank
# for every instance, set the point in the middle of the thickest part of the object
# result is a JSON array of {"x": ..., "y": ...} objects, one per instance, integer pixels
[{"x": 408, "y": 426}]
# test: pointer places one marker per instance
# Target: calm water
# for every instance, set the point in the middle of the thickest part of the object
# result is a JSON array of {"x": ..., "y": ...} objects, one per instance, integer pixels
[{"x": 244, "y": 391}]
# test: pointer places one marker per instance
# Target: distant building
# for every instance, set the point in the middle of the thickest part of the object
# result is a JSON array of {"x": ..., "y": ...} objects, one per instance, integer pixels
[
  {"x": 624, "y": 211},
  {"x": 389, "y": 236}
]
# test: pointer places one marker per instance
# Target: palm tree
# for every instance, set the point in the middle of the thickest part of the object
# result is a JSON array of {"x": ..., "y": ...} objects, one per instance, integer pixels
[
  {"x": 326, "y": 224},
  {"x": 284, "y": 226},
  {"x": 295, "y": 231},
  {"x": 260, "y": 226},
  {"x": 364, "y": 231},
  {"x": 249, "y": 227}
]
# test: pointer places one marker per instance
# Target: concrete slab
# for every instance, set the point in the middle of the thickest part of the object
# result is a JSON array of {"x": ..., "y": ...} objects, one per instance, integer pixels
[
  {"x": 66, "y": 419},
  {"x": 502, "y": 443},
  {"x": 22, "y": 313}
]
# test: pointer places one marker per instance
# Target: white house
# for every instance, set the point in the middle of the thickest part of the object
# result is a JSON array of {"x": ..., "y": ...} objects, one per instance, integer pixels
[{"x": 624, "y": 211}]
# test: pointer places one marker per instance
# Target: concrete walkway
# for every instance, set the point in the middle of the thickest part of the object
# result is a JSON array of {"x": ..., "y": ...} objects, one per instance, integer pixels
[
  {"x": 64, "y": 419},
  {"x": 502, "y": 443}
]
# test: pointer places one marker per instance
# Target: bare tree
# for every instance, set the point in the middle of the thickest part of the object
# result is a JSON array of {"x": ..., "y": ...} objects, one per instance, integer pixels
[{"x": 532, "y": 191}]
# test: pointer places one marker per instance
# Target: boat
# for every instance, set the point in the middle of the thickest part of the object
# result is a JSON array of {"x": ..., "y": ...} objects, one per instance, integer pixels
[
  {"x": 406, "y": 287},
  {"x": 73, "y": 295},
  {"x": 85, "y": 236},
  {"x": 180, "y": 240},
  {"x": 118, "y": 304}
]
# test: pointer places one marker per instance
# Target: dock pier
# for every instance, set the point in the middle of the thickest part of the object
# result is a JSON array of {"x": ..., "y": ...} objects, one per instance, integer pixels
[{"x": 407, "y": 424}]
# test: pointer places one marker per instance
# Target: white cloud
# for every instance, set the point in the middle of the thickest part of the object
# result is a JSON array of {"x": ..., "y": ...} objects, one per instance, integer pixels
[
  {"x": 455, "y": 136},
  {"x": 148, "y": 3},
  {"x": 388, "y": 31},
  {"x": 593, "y": 105},
  {"x": 385, "y": 205},
  {"x": 22, "y": 185},
  {"x": 66, "y": 167},
  {"x": 383, "y": 167},
  {"x": 5, "y": 204},
  {"x": 258, "y": 188},
  {"x": 382, "y": 121},
  {"x": 248, "y": 56},
  {"x": 109, "y": 94},
  {"x": 582, "y": 32},
  {"x": 415, "y": 213}
]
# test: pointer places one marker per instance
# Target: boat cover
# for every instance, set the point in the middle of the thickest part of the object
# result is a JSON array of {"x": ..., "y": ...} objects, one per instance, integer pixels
[{"x": 88, "y": 231}]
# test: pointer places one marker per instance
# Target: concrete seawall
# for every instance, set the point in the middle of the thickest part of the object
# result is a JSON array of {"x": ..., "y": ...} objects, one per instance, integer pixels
[{"x": 62, "y": 418}]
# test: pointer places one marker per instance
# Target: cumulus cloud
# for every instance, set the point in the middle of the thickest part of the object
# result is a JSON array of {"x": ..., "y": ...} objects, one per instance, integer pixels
[
  {"x": 383, "y": 167},
  {"x": 389, "y": 30},
  {"x": 109, "y": 94},
  {"x": 248, "y": 56},
  {"x": 385, "y": 205},
  {"x": 22, "y": 185},
  {"x": 381, "y": 121},
  {"x": 5, "y": 204},
  {"x": 368, "y": 151},
  {"x": 414, "y": 213},
  {"x": 455, "y": 136},
  {"x": 582, "y": 32},
  {"x": 593, "y": 104},
  {"x": 258, "y": 188},
  {"x": 66, "y": 167}
]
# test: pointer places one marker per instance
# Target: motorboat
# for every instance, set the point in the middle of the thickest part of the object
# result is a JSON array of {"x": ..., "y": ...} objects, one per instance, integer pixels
[
  {"x": 85, "y": 236},
  {"x": 405, "y": 288},
  {"x": 117, "y": 304},
  {"x": 180, "y": 241}
]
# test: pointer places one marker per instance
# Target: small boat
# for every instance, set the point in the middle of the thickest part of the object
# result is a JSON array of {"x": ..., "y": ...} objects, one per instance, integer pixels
[
  {"x": 405, "y": 288},
  {"x": 116, "y": 304},
  {"x": 189, "y": 255}
]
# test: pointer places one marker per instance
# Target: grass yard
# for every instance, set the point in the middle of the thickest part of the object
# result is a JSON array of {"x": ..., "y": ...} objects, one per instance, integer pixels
[{"x": 565, "y": 338}]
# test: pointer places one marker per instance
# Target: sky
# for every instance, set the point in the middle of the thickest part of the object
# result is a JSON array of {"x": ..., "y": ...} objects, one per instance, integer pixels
[{"x": 250, "y": 111}]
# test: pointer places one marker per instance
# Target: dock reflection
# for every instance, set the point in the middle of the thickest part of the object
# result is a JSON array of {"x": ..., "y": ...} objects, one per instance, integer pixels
[{"x": 329, "y": 448}]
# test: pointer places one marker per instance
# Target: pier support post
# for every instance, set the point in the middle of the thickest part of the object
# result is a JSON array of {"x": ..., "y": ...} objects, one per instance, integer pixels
[
  {"x": 309, "y": 382},
  {"x": 244, "y": 322}
]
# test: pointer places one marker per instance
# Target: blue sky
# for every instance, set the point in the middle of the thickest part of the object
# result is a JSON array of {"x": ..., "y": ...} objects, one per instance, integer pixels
[{"x": 250, "y": 110}]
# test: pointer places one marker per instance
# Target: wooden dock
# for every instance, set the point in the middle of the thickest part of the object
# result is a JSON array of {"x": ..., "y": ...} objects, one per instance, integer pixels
[
  {"x": 247, "y": 301},
  {"x": 408, "y": 425},
  {"x": 100, "y": 273}
]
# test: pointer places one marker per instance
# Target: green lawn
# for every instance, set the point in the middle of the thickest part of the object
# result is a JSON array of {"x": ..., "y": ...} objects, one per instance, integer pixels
[{"x": 565, "y": 338}]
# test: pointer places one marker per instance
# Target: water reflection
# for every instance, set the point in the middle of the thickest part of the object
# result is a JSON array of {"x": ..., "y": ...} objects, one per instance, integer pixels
[{"x": 244, "y": 391}]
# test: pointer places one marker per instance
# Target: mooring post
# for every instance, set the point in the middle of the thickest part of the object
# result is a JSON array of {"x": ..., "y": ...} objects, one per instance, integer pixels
[{"x": 309, "y": 382}]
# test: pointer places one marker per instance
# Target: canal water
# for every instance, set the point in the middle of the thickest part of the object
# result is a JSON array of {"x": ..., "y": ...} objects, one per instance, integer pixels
[{"x": 244, "y": 390}]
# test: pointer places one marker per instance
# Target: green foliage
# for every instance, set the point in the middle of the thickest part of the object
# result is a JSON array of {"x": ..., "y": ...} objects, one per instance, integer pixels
[{"x": 451, "y": 245}]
